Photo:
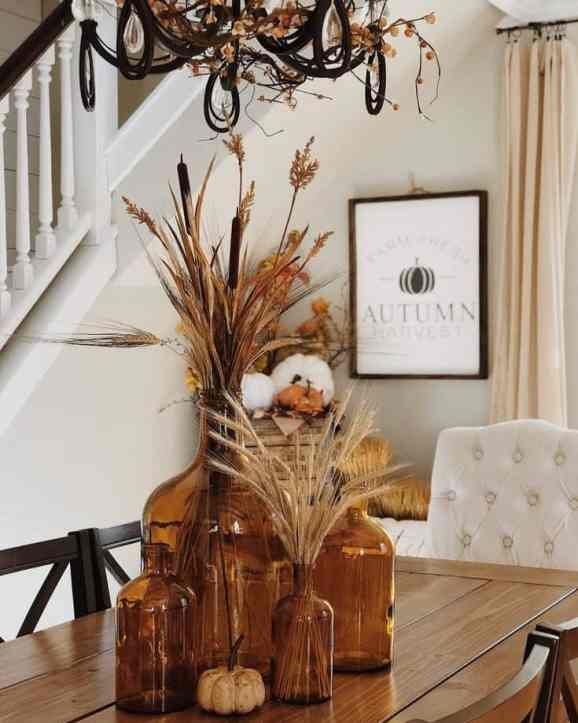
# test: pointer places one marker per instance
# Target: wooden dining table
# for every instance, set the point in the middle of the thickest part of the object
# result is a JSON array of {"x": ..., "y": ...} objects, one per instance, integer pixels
[{"x": 460, "y": 633}]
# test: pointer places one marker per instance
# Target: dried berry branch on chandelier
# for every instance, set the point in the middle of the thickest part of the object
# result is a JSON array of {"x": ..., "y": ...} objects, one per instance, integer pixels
[{"x": 264, "y": 49}]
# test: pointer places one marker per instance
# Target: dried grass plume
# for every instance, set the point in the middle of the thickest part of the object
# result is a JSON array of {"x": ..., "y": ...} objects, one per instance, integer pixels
[{"x": 309, "y": 493}]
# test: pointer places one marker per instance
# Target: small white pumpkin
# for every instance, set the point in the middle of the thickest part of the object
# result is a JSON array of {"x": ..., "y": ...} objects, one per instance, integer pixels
[
  {"x": 257, "y": 391},
  {"x": 225, "y": 691},
  {"x": 305, "y": 370}
]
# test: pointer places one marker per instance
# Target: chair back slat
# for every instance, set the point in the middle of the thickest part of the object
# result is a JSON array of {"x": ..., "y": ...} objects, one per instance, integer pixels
[
  {"x": 37, "y": 554},
  {"x": 102, "y": 542},
  {"x": 114, "y": 568},
  {"x": 42, "y": 597},
  {"x": 120, "y": 535},
  {"x": 518, "y": 700},
  {"x": 58, "y": 554}
]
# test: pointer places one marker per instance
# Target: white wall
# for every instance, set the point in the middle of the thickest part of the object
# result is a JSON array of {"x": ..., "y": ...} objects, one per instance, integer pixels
[{"x": 90, "y": 444}]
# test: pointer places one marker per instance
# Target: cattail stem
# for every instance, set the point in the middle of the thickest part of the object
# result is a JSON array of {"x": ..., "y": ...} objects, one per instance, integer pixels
[{"x": 185, "y": 186}]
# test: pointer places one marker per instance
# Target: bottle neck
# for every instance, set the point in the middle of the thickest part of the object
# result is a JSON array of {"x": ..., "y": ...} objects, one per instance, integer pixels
[
  {"x": 157, "y": 559},
  {"x": 358, "y": 512},
  {"x": 302, "y": 579}
]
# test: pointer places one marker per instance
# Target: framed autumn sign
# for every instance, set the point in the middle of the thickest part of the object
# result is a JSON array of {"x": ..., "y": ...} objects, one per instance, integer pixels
[{"x": 419, "y": 286}]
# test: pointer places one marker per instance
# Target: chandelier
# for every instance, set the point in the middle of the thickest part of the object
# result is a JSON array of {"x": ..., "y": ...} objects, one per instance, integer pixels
[{"x": 265, "y": 49}]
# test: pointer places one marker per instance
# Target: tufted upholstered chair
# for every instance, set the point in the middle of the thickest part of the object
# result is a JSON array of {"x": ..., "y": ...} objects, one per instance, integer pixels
[{"x": 506, "y": 493}]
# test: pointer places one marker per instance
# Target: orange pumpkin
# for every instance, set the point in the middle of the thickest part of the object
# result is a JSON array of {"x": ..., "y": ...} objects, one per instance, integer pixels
[
  {"x": 311, "y": 403},
  {"x": 290, "y": 396}
]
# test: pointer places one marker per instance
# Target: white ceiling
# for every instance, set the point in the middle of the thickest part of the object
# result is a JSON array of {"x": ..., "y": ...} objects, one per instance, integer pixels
[{"x": 526, "y": 11}]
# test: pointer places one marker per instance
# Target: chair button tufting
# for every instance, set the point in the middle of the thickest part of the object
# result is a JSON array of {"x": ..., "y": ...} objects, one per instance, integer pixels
[
  {"x": 490, "y": 498},
  {"x": 533, "y": 499},
  {"x": 466, "y": 540},
  {"x": 478, "y": 453},
  {"x": 548, "y": 547},
  {"x": 560, "y": 458},
  {"x": 573, "y": 502},
  {"x": 507, "y": 542},
  {"x": 517, "y": 456},
  {"x": 451, "y": 495}
]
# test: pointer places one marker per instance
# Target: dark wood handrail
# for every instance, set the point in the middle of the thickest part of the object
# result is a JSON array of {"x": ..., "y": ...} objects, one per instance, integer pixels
[{"x": 35, "y": 45}]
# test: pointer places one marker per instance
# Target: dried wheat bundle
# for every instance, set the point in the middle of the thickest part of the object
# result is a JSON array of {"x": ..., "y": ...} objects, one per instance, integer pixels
[
  {"x": 307, "y": 493},
  {"x": 228, "y": 304}
]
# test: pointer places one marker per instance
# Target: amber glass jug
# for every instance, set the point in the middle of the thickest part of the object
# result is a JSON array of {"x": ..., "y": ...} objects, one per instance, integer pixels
[
  {"x": 226, "y": 550},
  {"x": 355, "y": 574},
  {"x": 155, "y": 665},
  {"x": 302, "y": 644}
]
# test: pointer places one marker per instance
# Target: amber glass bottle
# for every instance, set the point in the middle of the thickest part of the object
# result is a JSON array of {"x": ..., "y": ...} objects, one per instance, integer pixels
[
  {"x": 214, "y": 523},
  {"x": 155, "y": 665},
  {"x": 355, "y": 573},
  {"x": 302, "y": 644}
]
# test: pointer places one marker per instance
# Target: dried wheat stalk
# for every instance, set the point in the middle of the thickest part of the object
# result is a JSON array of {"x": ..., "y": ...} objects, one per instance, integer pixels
[{"x": 308, "y": 493}]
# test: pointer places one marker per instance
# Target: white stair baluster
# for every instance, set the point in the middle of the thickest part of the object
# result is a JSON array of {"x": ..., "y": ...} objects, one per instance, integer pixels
[
  {"x": 45, "y": 240},
  {"x": 4, "y": 293},
  {"x": 67, "y": 213},
  {"x": 22, "y": 273}
]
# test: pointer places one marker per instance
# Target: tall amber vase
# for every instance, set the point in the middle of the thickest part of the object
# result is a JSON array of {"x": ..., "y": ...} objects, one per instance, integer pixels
[
  {"x": 355, "y": 573},
  {"x": 215, "y": 525},
  {"x": 155, "y": 613},
  {"x": 303, "y": 644}
]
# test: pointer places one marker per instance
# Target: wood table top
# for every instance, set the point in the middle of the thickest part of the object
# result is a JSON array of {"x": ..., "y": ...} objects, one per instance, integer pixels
[{"x": 460, "y": 633}]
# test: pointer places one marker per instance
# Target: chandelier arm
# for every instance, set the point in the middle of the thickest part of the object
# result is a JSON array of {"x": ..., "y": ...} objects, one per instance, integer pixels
[
  {"x": 216, "y": 122},
  {"x": 375, "y": 99},
  {"x": 176, "y": 46},
  {"x": 321, "y": 55},
  {"x": 135, "y": 69},
  {"x": 297, "y": 41},
  {"x": 86, "y": 73},
  {"x": 159, "y": 67},
  {"x": 89, "y": 29}
]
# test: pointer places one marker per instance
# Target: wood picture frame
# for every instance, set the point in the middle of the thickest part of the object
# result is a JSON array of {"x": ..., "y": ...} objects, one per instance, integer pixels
[{"x": 449, "y": 231}]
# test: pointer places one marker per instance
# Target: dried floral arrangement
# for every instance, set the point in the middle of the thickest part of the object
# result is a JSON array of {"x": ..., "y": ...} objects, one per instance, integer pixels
[
  {"x": 306, "y": 493},
  {"x": 326, "y": 333},
  {"x": 309, "y": 492},
  {"x": 228, "y": 308},
  {"x": 268, "y": 50}
]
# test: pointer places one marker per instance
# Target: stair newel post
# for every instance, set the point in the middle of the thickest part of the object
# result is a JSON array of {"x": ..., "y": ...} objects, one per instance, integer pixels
[
  {"x": 22, "y": 273},
  {"x": 96, "y": 129},
  {"x": 45, "y": 239},
  {"x": 4, "y": 293},
  {"x": 67, "y": 213}
]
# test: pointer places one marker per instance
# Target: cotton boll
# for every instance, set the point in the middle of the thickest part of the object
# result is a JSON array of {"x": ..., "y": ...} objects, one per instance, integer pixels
[
  {"x": 257, "y": 391},
  {"x": 305, "y": 370}
]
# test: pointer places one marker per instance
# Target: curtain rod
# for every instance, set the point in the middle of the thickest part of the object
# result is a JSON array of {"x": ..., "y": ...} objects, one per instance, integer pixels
[{"x": 536, "y": 26}]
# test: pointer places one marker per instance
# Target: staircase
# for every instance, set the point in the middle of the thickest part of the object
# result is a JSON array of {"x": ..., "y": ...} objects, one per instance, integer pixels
[{"x": 57, "y": 237}]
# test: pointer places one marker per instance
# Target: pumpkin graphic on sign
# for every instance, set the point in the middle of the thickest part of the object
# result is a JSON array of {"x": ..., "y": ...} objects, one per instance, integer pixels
[{"x": 417, "y": 279}]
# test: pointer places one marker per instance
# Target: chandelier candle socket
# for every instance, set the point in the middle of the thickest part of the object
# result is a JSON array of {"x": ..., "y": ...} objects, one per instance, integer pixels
[{"x": 268, "y": 50}]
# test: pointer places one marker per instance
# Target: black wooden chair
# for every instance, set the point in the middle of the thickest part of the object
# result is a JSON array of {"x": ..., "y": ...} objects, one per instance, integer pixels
[
  {"x": 564, "y": 703},
  {"x": 526, "y": 697},
  {"x": 102, "y": 542},
  {"x": 73, "y": 551}
]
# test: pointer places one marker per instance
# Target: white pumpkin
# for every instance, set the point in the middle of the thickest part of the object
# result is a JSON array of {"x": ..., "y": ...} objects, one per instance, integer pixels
[
  {"x": 226, "y": 692},
  {"x": 257, "y": 391},
  {"x": 305, "y": 370}
]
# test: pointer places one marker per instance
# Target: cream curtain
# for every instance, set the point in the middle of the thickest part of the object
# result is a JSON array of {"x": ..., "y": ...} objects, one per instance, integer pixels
[{"x": 541, "y": 104}]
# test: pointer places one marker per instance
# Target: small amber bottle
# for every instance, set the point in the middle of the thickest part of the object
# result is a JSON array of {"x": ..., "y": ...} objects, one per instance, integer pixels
[
  {"x": 302, "y": 643},
  {"x": 355, "y": 574},
  {"x": 155, "y": 666}
]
